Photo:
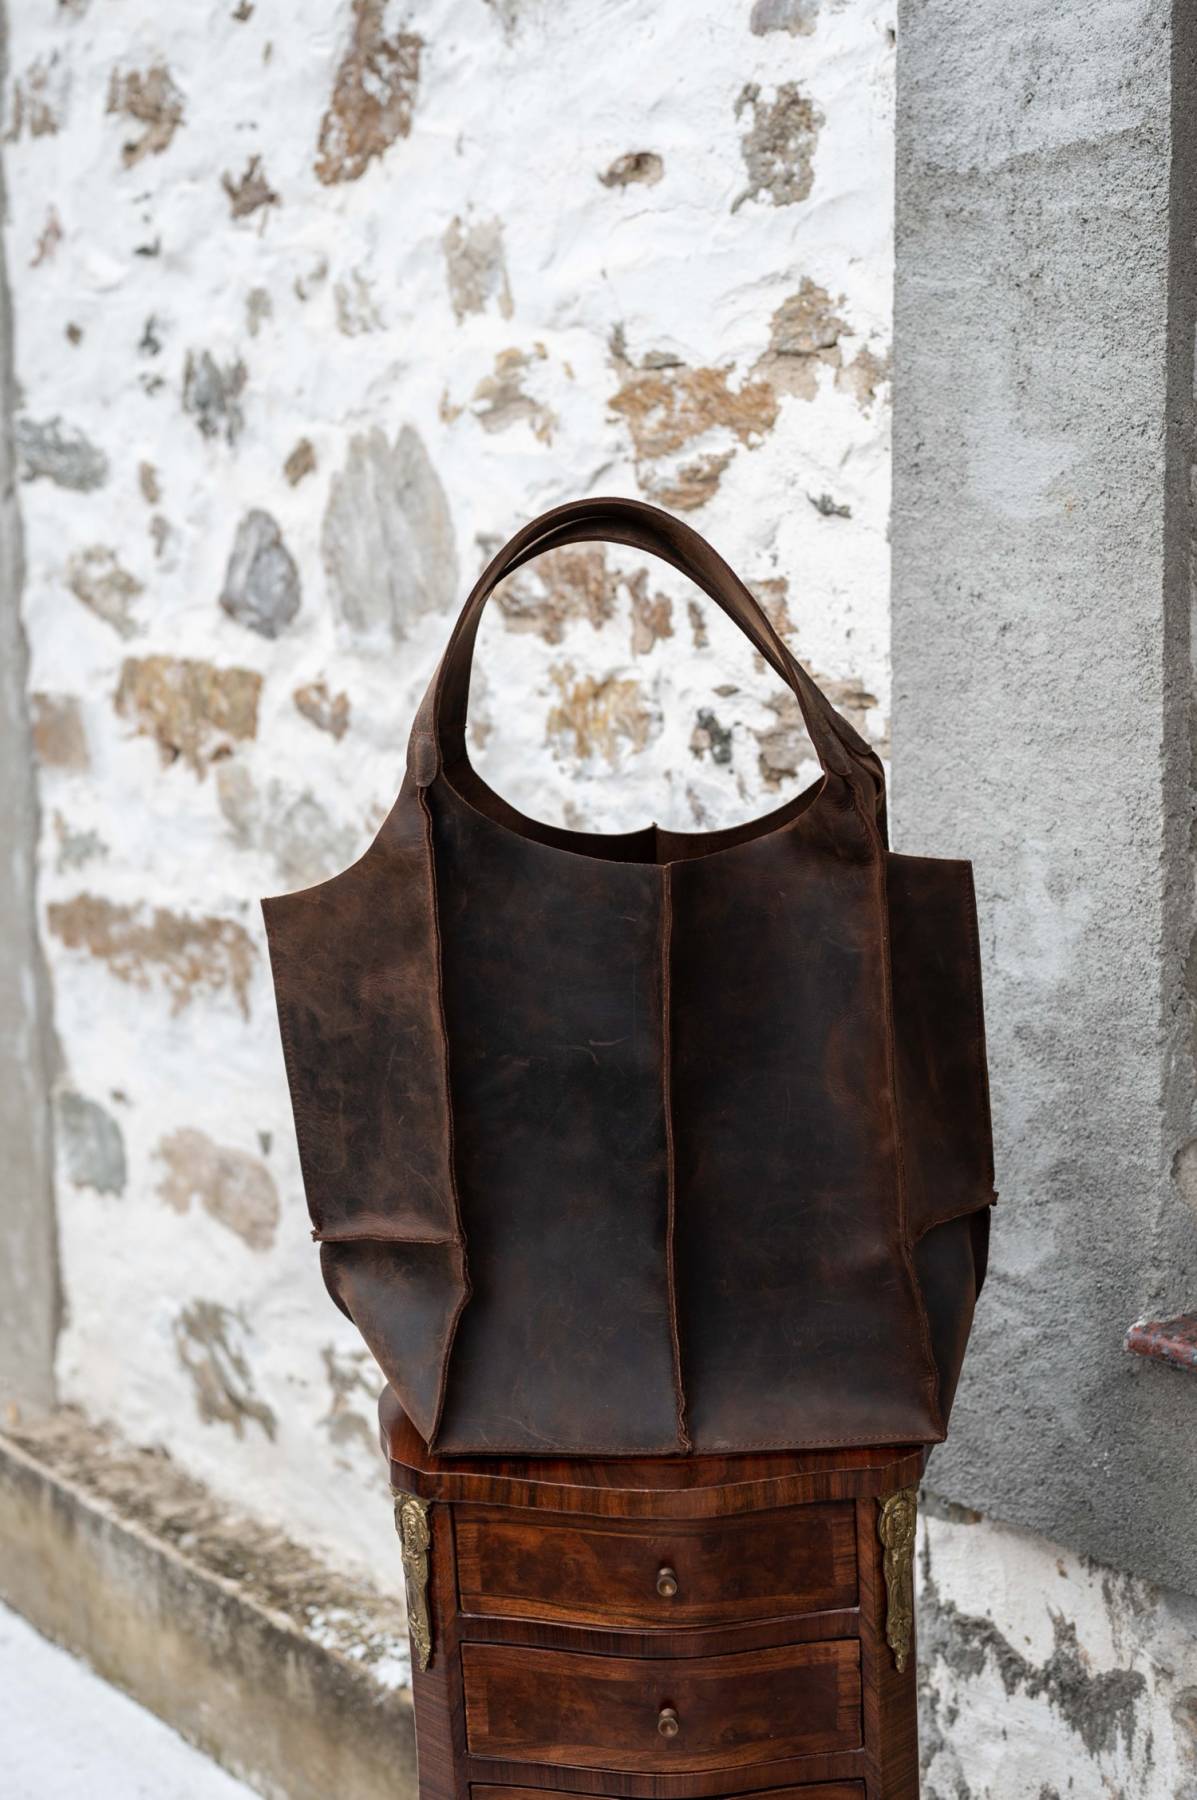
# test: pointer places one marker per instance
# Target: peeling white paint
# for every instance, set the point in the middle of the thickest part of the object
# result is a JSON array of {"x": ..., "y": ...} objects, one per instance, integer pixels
[{"x": 1044, "y": 1676}]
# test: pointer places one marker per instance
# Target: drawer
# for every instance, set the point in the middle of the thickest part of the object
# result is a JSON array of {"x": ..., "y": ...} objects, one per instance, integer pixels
[
  {"x": 595, "y": 1572},
  {"x": 687, "y": 1715}
]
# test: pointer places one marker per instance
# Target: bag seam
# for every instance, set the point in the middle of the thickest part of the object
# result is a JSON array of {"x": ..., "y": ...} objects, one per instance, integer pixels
[{"x": 450, "y": 1144}]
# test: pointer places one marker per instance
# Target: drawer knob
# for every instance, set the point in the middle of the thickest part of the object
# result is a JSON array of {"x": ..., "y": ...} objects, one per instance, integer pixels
[
  {"x": 667, "y": 1582},
  {"x": 668, "y": 1724}
]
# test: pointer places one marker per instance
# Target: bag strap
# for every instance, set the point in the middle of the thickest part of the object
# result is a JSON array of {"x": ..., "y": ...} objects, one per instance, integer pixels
[{"x": 438, "y": 734}]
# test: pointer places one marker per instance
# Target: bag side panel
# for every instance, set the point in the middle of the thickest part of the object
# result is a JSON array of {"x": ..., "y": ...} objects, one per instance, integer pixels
[
  {"x": 943, "y": 1089},
  {"x": 943, "y": 1095},
  {"x": 553, "y": 1002},
  {"x": 405, "y": 1299},
  {"x": 801, "y": 1322},
  {"x": 356, "y": 975},
  {"x": 950, "y": 1263},
  {"x": 356, "y": 981}
]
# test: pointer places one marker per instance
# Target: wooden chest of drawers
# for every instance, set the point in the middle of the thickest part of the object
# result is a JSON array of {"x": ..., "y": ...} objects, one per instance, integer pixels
[{"x": 660, "y": 1629}]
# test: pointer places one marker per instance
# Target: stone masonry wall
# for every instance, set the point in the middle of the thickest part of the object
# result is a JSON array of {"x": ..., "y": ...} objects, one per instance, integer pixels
[{"x": 313, "y": 305}]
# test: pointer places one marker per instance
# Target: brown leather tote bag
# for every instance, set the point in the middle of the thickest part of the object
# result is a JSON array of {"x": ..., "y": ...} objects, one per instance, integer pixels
[{"x": 650, "y": 1143}]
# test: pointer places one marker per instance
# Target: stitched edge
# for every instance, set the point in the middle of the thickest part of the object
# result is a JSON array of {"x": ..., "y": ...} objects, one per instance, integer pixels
[
  {"x": 679, "y": 1392},
  {"x": 450, "y": 1148},
  {"x": 373, "y": 1237},
  {"x": 865, "y": 1440}
]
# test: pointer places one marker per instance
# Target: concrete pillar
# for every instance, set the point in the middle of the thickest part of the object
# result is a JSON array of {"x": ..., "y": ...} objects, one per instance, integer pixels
[
  {"x": 29, "y": 1286},
  {"x": 1042, "y": 544}
]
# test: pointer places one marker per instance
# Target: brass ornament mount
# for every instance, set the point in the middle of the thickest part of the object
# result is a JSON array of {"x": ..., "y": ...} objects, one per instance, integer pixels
[
  {"x": 415, "y": 1542},
  {"x": 896, "y": 1529}
]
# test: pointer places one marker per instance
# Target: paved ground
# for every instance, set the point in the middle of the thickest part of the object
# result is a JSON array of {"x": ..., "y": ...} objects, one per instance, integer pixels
[{"x": 67, "y": 1735}]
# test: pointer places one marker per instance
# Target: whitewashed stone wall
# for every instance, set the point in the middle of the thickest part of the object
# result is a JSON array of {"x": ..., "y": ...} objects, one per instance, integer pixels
[
  {"x": 314, "y": 304},
  {"x": 1044, "y": 1676}
]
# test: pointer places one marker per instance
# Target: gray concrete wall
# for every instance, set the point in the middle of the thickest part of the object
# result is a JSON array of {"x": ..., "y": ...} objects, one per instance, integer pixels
[
  {"x": 1042, "y": 682},
  {"x": 29, "y": 1289}
]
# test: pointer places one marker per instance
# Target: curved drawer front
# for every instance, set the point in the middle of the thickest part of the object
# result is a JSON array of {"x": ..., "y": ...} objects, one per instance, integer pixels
[
  {"x": 686, "y": 1716},
  {"x": 729, "y": 1571}
]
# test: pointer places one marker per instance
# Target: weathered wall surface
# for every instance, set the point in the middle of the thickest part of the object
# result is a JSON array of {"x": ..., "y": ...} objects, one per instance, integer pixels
[
  {"x": 1043, "y": 530},
  {"x": 313, "y": 304},
  {"x": 1046, "y": 1676}
]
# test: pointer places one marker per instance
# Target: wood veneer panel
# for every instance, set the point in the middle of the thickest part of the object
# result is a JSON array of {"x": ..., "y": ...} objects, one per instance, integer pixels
[
  {"x": 556, "y": 1708},
  {"x": 732, "y": 1571}
]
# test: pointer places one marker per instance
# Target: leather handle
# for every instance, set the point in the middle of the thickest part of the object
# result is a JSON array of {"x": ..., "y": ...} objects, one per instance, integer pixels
[{"x": 439, "y": 731}]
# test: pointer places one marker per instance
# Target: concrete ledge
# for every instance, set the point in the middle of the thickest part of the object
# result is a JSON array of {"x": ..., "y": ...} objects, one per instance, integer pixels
[{"x": 290, "y": 1676}]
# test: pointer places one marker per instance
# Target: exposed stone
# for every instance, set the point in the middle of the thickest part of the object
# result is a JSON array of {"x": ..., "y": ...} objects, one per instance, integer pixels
[
  {"x": 476, "y": 267},
  {"x": 152, "y": 100},
  {"x": 211, "y": 394},
  {"x": 92, "y": 1145},
  {"x": 258, "y": 306},
  {"x": 501, "y": 402},
  {"x": 691, "y": 484},
  {"x": 803, "y": 334},
  {"x": 311, "y": 277},
  {"x": 329, "y": 712},
  {"x": 237, "y": 798},
  {"x": 829, "y": 507},
  {"x": 772, "y": 595},
  {"x": 508, "y": 14},
  {"x": 261, "y": 584},
  {"x": 76, "y": 848},
  {"x": 357, "y": 311},
  {"x": 39, "y": 99},
  {"x": 864, "y": 375},
  {"x": 46, "y": 448},
  {"x": 387, "y": 538},
  {"x": 59, "y": 740},
  {"x": 306, "y": 843},
  {"x": 652, "y": 615},
  {"x": 562, "y": 585},
  {"x": 147, "y": 481},
  {"x": 301, "y": 462},
  {"x": 596, "y": 715},
  {"x": 700, "y": 635},
  {"x": 643, "y": 166},
  {"x": 48, "y": 240},
  {"x": 779, "y": 147},
  {"x": 192, "y": 709},
  {"x": 235, "y": 1189},
  {"x": 710, "y": 737},
  {"x": 351, "y": 1373},
  {"x": 1099, "y": 1708},
  {"x": 373, "y": 95},
  {"x": 192, "y": 956},
  {"x": 96, "y": 578},
  {"x": 798, "y": 17},
  {"x": 211, "y": 1342},
  {"x": 295, "y": 830},
  {"x": 785, "y": 745},
  {"x": 668, "y": 409},
  {"x": 250, "y": 191}
]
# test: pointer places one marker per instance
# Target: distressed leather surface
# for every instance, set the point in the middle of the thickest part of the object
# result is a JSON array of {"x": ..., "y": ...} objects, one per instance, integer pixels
[{"x": 647, "y": 1143}]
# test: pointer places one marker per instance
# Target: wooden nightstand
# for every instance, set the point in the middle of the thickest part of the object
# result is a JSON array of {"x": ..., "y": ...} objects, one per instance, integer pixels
[{"x": 660, "y": 1628}]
